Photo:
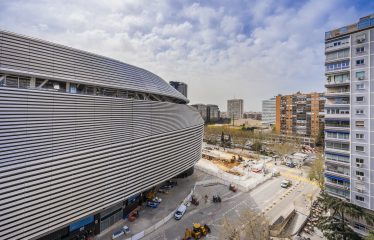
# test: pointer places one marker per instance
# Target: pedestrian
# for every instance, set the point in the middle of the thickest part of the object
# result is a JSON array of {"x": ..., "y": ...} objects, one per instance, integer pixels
[{"x": 206, "y": 198}]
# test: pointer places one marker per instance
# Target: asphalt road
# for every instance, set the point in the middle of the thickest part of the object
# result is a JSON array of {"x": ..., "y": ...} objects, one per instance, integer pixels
[{"x": 232, "y": 204}]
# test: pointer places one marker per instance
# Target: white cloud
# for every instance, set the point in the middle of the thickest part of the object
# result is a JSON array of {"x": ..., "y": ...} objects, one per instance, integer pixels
[{"x": 245, "y": 49}]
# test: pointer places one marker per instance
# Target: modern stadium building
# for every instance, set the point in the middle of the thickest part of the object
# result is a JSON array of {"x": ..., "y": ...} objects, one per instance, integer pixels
[{"x": 82, "y": 136}]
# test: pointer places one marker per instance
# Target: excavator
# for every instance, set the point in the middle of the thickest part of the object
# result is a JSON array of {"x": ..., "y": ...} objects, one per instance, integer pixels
[{"x": 197, "y": 232}]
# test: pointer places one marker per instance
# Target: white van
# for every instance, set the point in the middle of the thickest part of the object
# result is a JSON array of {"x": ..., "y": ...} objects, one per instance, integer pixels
[{"x": 180, "y": 212}]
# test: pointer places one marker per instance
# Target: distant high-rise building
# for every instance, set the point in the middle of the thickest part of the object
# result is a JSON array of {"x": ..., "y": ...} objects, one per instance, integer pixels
[
  {"x": 349, "y": 122},
  {"x": 299, "y": 114},
  {"x": 202, "y": 109},
  {"x": 235, "y": 108},
  {"x": 212, "y": 113},
  {"x": 180, "y": 86},
  {"x": 268, "y": 111}
]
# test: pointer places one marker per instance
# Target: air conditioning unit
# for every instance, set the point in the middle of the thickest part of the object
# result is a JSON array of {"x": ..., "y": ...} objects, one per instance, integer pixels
[
  {"x": 359, "y": 164},
  {"x": 361, "y": 78},
  {"x": 361, "y": 178}
]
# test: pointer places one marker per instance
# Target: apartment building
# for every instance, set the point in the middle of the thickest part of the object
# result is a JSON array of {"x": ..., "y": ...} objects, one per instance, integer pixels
[
  {"x": 268, "y": 111},
  {"x": 349, "y": 116},
  {"x": 212, "y": 113},
  {"x": 202, "y": 109},
  {"x": 180, "y": 87},
  {"x": 299, "y": 114},
  {"x": 235, "y": 108}
]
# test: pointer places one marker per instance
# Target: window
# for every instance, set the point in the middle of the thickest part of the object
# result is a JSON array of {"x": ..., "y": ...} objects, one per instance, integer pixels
[
  {"x": 360, "y": 124},
  {"x": 361, "y": 227},
  {"x": 359, "y": 111},
  {"x": 359, "y": 99},
  {"x": 360, "y": 50},
  {"x": 360, "y": 75},
  {"x": 360, "y": 86},
  {"x": 336, "y": 44},
  {"x": 360, "y": 198},
  {"x": 337, "y": 65},
  {"x": 359, "y": 135},
  {"x": 360, "y": 62},
  {"x": 359, "y": 173},
  {"x": 360, "y": 38},
  {"x": 359, "y": 160},
  {"x": 360, "y": 148}
]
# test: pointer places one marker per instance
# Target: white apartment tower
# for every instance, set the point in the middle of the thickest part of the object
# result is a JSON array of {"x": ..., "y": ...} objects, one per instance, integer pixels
[
  {"x": 349, "y": 112},
  {"x": 268, "y": 111}
]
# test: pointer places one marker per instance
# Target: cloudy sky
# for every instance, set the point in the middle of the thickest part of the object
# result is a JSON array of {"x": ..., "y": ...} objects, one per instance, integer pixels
[{"x": 252, "y": 49}]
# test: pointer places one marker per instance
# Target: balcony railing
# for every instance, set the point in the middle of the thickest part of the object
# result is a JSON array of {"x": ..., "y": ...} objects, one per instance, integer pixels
[
  {"x": 337, "y": 172},
  {"x": 344, "y": 186},
  {"x": 336, "y": 83}
]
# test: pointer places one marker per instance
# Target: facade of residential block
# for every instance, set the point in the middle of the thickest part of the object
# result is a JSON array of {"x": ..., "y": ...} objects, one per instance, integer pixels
[
  {"x": 268, "y": 111},
  {"x": 349, "y": 127},
  {"x": 299, "y": 114}
]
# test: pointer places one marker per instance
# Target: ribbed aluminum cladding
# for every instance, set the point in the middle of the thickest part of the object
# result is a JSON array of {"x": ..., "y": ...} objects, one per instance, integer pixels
[{"x": 65, "y": 156}]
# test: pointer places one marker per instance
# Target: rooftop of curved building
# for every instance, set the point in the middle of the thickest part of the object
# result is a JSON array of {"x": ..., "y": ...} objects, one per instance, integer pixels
[{"x": 28, "y": 56}]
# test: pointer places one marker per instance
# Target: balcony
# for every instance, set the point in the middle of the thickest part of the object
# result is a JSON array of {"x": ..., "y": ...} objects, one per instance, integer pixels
[
  {"x": 338, "y": 192},
  {"x": 336, "y": 124},
  {"x": 330, "y": 84},
  {"x": 339, "y": 139},
  {"x": 338, "y": 173},
  {"x": 337, "y": 116},
  {"x": 337, "y": 68},
  {"x": 344, "y": 186},
  {"x": 331, "y": 93}
]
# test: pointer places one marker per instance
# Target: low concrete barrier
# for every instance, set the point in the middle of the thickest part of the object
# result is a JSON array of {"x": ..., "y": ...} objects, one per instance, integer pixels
[{"x": 228, "y": 179}]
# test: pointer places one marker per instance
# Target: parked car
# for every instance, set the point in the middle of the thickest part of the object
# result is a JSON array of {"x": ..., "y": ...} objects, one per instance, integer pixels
[
  {"x": 172, "y": 183},
  {"x": 126, "y": 229},
  {"x": 180, "y": 212},
  {"x": 290, "y": 164},
  {"x": 166, "y": 187},
  {"x": 157, "y": 199},
  {"x": 117, "y": 234},
  {"x": 152, "y": 204},
  {"x": 285, "y": 183}
]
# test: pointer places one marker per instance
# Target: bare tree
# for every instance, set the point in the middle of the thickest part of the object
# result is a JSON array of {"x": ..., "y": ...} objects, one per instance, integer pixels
[
  {"x": 316, "y": 171},
  {"x": 250, "y": 225},
  {"x": 282, "y": 149}
]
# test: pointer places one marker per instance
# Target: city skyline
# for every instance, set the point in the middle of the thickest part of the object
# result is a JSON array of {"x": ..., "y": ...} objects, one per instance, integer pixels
[{"x": 220, "y": 49}]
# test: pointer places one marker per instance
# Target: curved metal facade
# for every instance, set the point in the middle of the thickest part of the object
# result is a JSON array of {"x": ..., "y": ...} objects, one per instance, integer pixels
[
  {"x": 34, "y": 57},
  {"x": 65, "y": 156}
]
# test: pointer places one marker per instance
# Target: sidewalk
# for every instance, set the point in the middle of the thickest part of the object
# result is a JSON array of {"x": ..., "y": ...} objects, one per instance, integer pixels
[{"x": 150, "y": 216}]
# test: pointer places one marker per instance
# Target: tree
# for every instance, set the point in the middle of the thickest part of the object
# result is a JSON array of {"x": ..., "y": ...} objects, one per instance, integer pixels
[
  {"x": 283, "y": 149},
  {"x": 335, "y": 225},
  {"x": 316, "y": 171},
  {"x": 370, "y": 236},
  {"x": 257, "y": 146},
  {"x": 320, "y": 139},
  {"x": 250, "y": 225},
  {"x": 222, "y": 139}
]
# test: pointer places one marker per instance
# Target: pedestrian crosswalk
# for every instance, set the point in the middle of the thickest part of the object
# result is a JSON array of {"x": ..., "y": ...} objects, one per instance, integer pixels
[{"x": 298, "y": 178}]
